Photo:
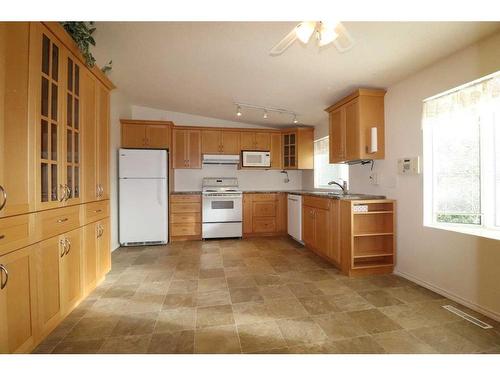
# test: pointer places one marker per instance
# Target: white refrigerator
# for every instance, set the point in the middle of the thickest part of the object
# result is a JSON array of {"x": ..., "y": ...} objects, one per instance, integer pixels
[{"x": 143, "y": 197}]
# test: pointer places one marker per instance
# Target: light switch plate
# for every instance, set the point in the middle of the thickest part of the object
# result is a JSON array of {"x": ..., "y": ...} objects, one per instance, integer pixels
[{"x": 409, "y": 166}]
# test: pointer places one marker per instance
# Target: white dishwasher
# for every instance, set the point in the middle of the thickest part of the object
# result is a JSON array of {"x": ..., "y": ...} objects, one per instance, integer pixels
[{"x": 295, "y": 216}]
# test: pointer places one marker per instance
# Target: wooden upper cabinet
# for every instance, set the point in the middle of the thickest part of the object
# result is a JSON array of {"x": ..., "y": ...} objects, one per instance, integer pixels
[
  {"x": 15, "y": 143},
  {"x": 146, "y": 134},
  {"x": 47, "y": 100},
  {"x": 298, "y": 148},
  {"x": 230, "y": 142},
  {"x": 276, "y": 151},
  {"x": 258, "y": 141},
  {"x": 351, "y": 120},
  {"x": 186, "y": 149},
  {"x": 262, "y": 141},
  {"x": 17, "y": 301},
  {"x": 211, "y": 142},
  {"x": 220, "y": 142},
  {"x": 102, "y": 142}
]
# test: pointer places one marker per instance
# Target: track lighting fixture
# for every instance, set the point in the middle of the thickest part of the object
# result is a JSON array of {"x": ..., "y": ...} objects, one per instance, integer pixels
[{"x": 266, "y": 111}]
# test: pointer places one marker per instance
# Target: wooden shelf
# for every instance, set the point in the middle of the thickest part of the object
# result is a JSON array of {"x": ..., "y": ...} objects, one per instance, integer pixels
[
  {"x": 375, "y": 264},
  {"x": 372, "y": 255},
  {"x": 373, "y": 234},
  {"x": 373, "y": 212}
]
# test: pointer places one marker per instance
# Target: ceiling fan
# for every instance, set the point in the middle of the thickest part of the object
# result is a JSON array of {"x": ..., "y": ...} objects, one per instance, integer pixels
[{"x": 325, "y": 33}]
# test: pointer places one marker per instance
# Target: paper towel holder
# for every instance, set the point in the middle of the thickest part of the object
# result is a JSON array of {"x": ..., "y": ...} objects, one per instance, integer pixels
[{"x": 373, "y": 146}]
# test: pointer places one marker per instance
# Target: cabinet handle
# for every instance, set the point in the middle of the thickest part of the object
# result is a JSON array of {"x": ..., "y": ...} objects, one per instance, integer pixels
[
  {"x": 2, "y": 236},
  {"x": 3, "y": 270},
  {"x": 62, "y": 220},
  {"x": 63, "y": 244},
  {"x": 69, "y": 246},
  {"x": 4, "y": 197},
  {"x": 99, "y": 210}
]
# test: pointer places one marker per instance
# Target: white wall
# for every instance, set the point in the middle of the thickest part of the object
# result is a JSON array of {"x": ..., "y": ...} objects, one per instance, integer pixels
[
  {"x": 464, "y": 267},
  {"x": 120, "y": 108},
  {"x": 190, "y": 179}
]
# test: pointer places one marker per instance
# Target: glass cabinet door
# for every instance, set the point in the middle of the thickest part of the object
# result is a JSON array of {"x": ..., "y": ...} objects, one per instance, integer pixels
[
  {"x": 48, "y": 61},
  {"x": 72, "y": 129}
]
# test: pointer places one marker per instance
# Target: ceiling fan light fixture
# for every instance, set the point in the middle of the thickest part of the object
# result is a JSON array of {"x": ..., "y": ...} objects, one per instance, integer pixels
[
  {"x": 295, "y": 121},
  {"x": 238, "y": 111},
  {"x": 265, "y": 114},
  {"x": 327, "y": 33},
  {"x": 305, "y": 30}
]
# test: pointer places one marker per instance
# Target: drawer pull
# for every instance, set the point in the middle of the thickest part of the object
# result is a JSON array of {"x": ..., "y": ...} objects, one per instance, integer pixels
[
  {"x": 99, "y": 210},
  {"x": 62, "y": 220},
  {"x": 3, "y": 270},
  {"x": 4, "y": 195},
  {"x": 2, "y": 236}
]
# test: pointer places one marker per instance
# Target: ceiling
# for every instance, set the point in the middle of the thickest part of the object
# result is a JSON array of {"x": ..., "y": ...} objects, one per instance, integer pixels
[{"x": 202, "y": 68}]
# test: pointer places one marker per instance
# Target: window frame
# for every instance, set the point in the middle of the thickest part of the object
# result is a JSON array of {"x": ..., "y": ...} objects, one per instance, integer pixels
[
  {"x": 317, "y": 171},
  {"x": 489, "y": 125}
]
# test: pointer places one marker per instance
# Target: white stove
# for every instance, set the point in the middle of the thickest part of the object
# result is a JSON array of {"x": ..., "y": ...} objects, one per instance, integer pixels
[{"x": 222, "y": 208}]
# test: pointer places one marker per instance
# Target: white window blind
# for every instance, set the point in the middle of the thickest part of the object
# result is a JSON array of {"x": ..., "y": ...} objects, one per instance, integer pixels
[
  {"x": 325, "y": 172},
  {"x": 462, "y": 156}
]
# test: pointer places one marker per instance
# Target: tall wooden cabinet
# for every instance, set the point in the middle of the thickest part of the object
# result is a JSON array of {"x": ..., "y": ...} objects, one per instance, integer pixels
[
  {"x": 54, "y": 180},
  {"x": 351, "y": 121}
]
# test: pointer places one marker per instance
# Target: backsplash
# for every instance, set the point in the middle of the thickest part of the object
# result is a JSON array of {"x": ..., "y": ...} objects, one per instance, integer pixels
[{"x": 190, "y": 179}]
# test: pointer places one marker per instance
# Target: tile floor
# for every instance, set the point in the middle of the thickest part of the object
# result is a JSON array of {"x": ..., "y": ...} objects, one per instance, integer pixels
[{"x": 258, "y": 296}]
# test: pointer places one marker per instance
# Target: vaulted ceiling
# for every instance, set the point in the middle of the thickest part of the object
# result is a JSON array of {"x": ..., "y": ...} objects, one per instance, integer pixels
[{"x": 202, "y": 68}]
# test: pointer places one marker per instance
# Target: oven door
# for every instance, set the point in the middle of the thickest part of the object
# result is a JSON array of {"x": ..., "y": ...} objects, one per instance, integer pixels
[{"x": 220, "y": 209}]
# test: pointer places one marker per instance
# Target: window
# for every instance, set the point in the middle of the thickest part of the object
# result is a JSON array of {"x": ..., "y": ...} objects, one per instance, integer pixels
[
  {"x": 462, "y": 158},
  {"x": 325, "y": 172}
]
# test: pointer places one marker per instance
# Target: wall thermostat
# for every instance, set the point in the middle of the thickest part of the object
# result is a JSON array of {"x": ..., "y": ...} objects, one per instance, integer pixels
[{"x": 409, "y": 166}]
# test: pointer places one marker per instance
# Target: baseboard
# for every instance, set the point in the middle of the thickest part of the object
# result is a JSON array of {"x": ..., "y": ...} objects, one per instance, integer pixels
[{"x": 449, "y": 295}]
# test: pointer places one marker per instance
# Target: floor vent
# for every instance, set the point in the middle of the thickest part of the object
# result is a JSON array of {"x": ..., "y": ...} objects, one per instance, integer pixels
[{"x": 468, "y": 317}]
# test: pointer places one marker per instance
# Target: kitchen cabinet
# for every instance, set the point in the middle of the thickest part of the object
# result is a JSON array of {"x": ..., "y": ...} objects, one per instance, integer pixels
[
  {"x": 145, "y": 134},
  {"x": 264, "y": 213},
  {"x": 91, "y": 234},
  {"x": 103, "y": 248},
  {"x": 220, "y": 142},
  {"x": 255, "y": 141},
  {"x": 15, "y": 143},
  {"x": 186, "y": 149},
  {"x": 298, "y": 148},
  {"x": 69, "y": 269},
  {"x": 368, "y": 243},
  {"x": 321, "y": 227},
  {"x": 351, "y": 120},
  {"x": 276, "y": 151},
  {"x": 185, "y": 217},
  {"x": 17, "y": 301},
  {"x": 54, "y": 134}
]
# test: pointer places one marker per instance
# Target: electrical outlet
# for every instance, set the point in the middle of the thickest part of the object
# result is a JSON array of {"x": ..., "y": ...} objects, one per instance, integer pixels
[{"x": 374, "y": 178}]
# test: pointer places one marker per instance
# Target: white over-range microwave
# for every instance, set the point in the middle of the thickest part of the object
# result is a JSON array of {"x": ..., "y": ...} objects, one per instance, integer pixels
[{"x": 260, "y": 159}]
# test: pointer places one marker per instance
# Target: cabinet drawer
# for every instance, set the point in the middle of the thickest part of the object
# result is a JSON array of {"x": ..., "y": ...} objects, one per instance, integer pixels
[
  {"x": 16, "y": 232},
  {"x": 323, "y": 203},
  {"x": 180, "y": 198},
  {"x": 193, "y": 229},
  {"x": 264, "y": 225},
  {"x": 187, "y": 218},
  {"x": 263, "y": 197},
  {"x": 53, "y": 222},
  {"x": 185, "y": 207},
  {"x": 95, "y": 211},
  {"x": 264, "y": 209}
]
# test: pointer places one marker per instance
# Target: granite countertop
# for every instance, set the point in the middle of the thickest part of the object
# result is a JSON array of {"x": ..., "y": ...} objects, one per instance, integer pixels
[{"x": 315, "y": 193}]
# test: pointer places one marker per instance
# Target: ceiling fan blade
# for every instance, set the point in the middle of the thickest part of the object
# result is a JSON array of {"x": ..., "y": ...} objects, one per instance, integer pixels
[
  {"x": 284, "y": 43},
  {"x": 344, "y": 41}
]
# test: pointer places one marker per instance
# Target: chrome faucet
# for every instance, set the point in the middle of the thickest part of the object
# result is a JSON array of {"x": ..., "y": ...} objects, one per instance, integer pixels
[{"x": 343, "y": 186}]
